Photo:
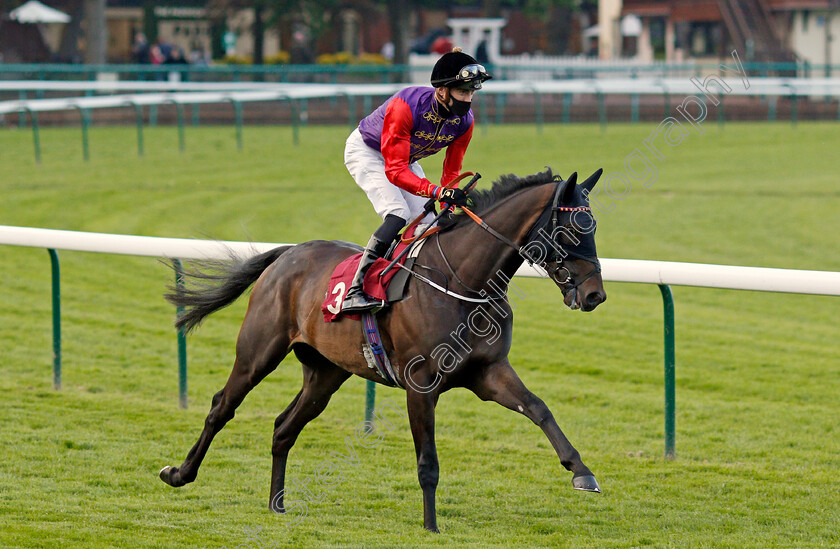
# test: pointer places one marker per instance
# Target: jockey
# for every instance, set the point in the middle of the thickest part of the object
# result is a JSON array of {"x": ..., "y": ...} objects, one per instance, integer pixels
[{"x": 382, "y": 154}]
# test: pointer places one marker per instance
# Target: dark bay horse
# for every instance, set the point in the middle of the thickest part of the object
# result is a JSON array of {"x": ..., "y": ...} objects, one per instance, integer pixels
[{"x": 435, "y": 340}]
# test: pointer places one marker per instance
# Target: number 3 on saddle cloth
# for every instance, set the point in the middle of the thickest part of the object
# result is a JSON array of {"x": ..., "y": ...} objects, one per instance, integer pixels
[{"x": 388, "y": 288}]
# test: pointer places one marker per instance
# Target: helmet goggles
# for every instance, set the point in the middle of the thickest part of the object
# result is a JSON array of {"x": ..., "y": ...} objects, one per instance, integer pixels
[{"x": 468, "y": 77}]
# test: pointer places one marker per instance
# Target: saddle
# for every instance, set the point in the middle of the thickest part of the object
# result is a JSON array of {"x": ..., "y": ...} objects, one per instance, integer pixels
[{"x": 388, "y": 289}]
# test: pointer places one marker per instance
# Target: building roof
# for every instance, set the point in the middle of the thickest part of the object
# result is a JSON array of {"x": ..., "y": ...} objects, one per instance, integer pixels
[{"x": 707, "y": 10}]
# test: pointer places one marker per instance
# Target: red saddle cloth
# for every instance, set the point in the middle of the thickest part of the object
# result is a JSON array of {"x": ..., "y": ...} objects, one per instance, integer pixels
[{"x": 374, "y": 285}]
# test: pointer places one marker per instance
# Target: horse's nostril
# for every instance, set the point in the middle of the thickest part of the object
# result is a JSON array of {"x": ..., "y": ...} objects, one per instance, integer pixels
[{"x": 595, "y": 298}]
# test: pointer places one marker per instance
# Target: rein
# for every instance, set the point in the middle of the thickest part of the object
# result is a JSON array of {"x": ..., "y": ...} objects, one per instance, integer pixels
[
  {"x": 553, "y": 265},
  {"x": 433, "y": 230}
]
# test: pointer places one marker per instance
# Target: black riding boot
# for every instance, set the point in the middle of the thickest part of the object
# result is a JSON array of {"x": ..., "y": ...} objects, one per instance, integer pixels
[{"x": 356, "y": 300}]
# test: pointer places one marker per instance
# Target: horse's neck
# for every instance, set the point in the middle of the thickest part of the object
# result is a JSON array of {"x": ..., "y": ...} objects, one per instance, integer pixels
[{"x": 480, "y": 260}]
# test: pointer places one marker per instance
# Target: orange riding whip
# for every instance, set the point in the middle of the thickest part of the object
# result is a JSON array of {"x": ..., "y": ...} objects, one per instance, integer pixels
[{"x": 431, "y": 230}]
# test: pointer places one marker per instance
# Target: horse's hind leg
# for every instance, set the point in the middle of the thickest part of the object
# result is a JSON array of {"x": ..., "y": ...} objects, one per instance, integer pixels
[
  {"x": 499, "y": 383},
  {"x": 259, "y": 350},
  {"x": 321, "y": 378}
]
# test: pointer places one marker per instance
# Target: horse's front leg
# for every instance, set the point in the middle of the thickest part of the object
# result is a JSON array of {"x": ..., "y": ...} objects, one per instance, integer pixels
[
  {"x": 498, "y": 382},
  {"x": 421, "y": 417}
]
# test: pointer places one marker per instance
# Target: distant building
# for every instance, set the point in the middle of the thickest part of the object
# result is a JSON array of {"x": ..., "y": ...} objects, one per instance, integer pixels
[
  {"x": 185, "y": 24},
  {"x": 355, "y": 27},
  {"x": 761, "y": 30}
]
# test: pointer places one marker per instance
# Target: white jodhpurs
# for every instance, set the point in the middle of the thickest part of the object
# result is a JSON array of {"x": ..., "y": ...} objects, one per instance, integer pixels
[{"x": 367, "y": 166}]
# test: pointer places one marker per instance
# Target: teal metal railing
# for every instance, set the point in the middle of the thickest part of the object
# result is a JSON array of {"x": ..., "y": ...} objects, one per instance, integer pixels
[
  {"x": 670, "y": 376},
  {"x": 384, "y": 73},
  {"x": 646, "y": 272}
]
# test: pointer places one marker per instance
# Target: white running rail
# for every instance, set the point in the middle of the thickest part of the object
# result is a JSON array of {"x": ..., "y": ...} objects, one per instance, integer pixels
[{"x": 613, "y": 270}]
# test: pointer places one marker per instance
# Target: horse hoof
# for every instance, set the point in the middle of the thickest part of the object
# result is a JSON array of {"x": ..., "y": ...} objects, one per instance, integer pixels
[
  {"x": 586, "y": 483},
  {"x": 170, "y": 476}
]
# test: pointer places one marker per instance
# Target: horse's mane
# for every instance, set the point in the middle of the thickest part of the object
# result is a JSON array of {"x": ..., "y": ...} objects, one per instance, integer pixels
[{"x": 504, "y": 187}]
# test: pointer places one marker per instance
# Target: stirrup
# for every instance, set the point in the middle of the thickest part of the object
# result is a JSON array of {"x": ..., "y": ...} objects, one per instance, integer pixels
[{"x": 360, "y": 303}]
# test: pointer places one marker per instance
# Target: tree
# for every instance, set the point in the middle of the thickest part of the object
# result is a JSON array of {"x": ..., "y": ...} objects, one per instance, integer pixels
[
  {"x": 399, "y": 17},
  {"x": 258, "y": 30},
  {"x": 96, "y": 32},
  {"x": 68, "y": 50}
]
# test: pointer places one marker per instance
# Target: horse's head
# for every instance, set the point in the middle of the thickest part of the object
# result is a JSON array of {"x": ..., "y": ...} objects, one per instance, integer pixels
[{"x": 566, "y": 231}]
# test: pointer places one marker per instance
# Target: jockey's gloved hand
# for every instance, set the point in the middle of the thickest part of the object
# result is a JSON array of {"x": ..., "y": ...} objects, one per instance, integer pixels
[{"x": 455, "y": 197}]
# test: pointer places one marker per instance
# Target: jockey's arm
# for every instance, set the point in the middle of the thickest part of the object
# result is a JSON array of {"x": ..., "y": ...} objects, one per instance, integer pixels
[
  {"x": 455, "y": 157},
  {"x": 396, "y": 149}
]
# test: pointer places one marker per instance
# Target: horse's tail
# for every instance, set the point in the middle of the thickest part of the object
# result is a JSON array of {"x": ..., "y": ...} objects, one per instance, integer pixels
[{"x": 217, "y": 284}]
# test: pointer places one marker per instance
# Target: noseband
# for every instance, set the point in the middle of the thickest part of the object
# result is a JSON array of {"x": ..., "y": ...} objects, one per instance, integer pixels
[{"x": 568, "y": 283}]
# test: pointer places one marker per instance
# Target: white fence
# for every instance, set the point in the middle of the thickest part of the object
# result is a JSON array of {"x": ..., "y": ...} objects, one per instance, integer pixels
[
  {"x": 613, "y": 270},
  {"x": 548, "y": 67},
  {"x": 198, "y": 93},
  {"x": 295, "y": 95},
  {"x": 661, "y": 273},
  {"x": 149, "y": 246}
]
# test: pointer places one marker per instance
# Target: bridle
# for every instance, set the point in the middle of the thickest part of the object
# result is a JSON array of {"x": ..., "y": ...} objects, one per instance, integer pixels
[{"x": 553, "y": 263}]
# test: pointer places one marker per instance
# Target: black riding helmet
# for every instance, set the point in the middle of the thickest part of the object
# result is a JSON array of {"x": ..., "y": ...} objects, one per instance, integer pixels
[{"x": 456, "y": 69}]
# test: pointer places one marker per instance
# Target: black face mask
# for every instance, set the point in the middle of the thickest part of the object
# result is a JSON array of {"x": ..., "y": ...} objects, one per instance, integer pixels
[{"x": 460, "y": 108}]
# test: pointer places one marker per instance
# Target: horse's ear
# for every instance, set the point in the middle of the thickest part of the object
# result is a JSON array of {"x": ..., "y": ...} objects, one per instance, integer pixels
[
  {"x": 569, "y": 190},
  {"x": 591, "y": 180}
]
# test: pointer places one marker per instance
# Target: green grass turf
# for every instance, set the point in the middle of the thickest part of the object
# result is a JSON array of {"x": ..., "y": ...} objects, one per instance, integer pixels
[{"x": 757, "y": 374}]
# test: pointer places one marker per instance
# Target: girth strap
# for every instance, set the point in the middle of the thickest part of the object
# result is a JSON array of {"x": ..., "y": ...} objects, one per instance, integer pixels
[{"x": 375, "y": 354}]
